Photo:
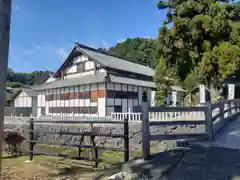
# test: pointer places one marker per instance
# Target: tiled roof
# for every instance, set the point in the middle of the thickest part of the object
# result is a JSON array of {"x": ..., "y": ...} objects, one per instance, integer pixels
[
  {"x": 101, "y": 77},
  {"x": 106, "y": 60},
  {"x": 115, "y": 62}
]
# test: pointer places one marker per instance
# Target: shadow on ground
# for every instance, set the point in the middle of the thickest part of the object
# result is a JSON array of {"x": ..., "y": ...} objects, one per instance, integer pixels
[{"x": 207, "y": 163}]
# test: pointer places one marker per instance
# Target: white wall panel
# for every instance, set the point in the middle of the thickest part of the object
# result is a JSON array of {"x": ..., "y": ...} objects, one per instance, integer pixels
[
  {"x": 102, "y": 70},
  {"x": 89, "y": 65},
  {"x": 101, "y": 86},
  {"x": 117, "y": 87},
  {"x": 43, "y": 98},
  {"x": 67, "y": 104},
  {"x": 110, "y": 110},
  {"x": 140, "y": 91},
  {"x": 50, "y": 103},
  {"x": 87, "y": 87},
  {"x": 124, "y": 87},
  {"x": 135, "y": 88},
  {"x": 87, "y": 102},
  {"x": 72, "y": 101},
  {"x": 110, "y": 101},
  {"x": 50, "y": 79},
  {"x": 130, "y": 105},
  {"x": 118, "y": 102},
  {"x": 124, "y": 105},
  {"x": 81, "y": 88},
  {"x": 93, "y": 86},
  {"x": 58, "y": 103},
  {"x": 93, "y": 104},
  {"x": 101, "y": 106},
  {"x": 81, "y": 102},
  {"x": 62, "y": 103},
  {"x": 135, "y": 102},
  {"x": 110, "y": 86},
  {"x": 38, "y": 111},
  {"x": 76, "y": 103},
  {"x": 130, "y": 87}
]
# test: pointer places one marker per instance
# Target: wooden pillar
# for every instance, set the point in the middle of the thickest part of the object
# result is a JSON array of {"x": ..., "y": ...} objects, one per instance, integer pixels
[
  {"x": 145, "y": 127},
  {"x": 209, "y": 122},
  {"x": 5, "y": 18}
]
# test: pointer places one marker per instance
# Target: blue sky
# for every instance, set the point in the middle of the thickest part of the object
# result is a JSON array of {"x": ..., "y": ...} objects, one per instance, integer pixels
[{"x": 43, "y": 32}]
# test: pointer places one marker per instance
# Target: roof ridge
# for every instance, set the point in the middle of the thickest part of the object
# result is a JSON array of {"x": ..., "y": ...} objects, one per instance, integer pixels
[{"x": 106, "y": 53}]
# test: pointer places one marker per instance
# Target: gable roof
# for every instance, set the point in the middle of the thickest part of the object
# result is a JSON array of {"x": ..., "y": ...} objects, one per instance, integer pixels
[
  {"x": 43, "y": 78},
  {"x": 29, "y": 91},
  {"x": 105, "y": 60}
]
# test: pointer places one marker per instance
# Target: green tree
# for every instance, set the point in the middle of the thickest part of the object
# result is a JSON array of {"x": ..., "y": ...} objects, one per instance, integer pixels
[
  {"x": 137, "y": 50},
  {"x": 201, "y": 32},
  {"x": 162, "y": 80},
  {"x": 17, "y": 79}
]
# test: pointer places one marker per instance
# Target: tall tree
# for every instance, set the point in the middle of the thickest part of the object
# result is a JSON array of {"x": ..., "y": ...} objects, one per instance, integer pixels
[
  {"x": 163, "y": 82},
  {"x": 137, "y": 50},
  {"x": 200, "y": 31}
]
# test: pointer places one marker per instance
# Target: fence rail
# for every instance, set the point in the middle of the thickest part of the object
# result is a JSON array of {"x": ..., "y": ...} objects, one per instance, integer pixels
[
  {"x": 94, "y": 131},
  {"x": 213, "y": 116}
]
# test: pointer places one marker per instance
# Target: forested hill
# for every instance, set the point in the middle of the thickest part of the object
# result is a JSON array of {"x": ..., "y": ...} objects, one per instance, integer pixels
[
  {"x": 138, "y": 50},
  {"x": 15, "y": 79}
]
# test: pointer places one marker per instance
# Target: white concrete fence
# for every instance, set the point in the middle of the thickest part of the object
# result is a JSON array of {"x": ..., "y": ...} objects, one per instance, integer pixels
[{"x": 173, "y": 115}]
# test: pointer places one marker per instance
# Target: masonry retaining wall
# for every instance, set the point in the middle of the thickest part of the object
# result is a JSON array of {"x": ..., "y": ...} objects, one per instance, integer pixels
[{"x": 135, "y": 135}]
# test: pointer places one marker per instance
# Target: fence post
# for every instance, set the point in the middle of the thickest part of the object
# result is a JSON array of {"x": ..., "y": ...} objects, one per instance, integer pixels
[
  {"x": 209, "y": 121},
  {"x": 145, "y": 130},
  {"x": 221, "y": 111},
  {"x": 31, "y": 138},
  {"x": 126, "y": 139}
]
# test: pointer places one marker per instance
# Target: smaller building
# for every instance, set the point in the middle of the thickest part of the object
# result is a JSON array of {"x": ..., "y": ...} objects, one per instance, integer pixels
[{"x": 26, "y": 101}]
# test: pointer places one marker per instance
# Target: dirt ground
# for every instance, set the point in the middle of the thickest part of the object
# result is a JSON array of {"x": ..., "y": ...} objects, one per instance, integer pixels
[
  {"x": 49, "y": 168},
  {"x": 28, "y": 172}
]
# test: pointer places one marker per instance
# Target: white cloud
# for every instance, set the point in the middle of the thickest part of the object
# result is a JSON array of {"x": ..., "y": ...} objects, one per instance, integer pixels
[
  {"x": 121, "y": 40},
  {"x": 16, "y": 7},
  {"x": 62, "y": 53},
  {"x": 105, "y": 44}
]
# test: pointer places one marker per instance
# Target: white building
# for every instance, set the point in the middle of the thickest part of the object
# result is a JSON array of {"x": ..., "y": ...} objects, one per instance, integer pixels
[
  {"x": 26, "y": 98},
  {"x": 91, "y": 83}
]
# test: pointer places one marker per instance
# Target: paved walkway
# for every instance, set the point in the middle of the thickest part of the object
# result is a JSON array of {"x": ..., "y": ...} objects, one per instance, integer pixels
[
  {"x": 219, "y": 160},
  {"x": 230, "y": 136},
  {"x": 210, "y": 163}
]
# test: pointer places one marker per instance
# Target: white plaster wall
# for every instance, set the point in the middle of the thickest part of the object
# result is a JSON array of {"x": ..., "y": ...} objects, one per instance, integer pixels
[
  {"x": 72, "y": 102},
  {"x": 50, "y": 79},
  {"x": 153, "y": 94},
  {"x": 101, "y": 106},
  {"x": 69, "y": 76},
  {"x": 80, "y": 58},
  {"x": 72, "y": 69},
  {"x": 23, "y": 100}
]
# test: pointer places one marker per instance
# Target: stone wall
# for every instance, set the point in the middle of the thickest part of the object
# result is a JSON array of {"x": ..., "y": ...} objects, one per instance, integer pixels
[{"x": 135, "y": 135}]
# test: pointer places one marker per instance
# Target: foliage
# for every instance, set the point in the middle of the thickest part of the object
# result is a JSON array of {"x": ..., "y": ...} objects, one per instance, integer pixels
[
  {"x": 18, "y": 79},
  {"x": 202, "y": 41},
  {"x": 162, "y": 80},
  {"x": 138, "y": 50},
  {"x": 197, "y": 27}
]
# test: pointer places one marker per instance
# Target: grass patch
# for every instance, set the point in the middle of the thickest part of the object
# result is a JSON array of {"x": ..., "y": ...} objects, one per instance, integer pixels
[{"x": 56, "y": 166}]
